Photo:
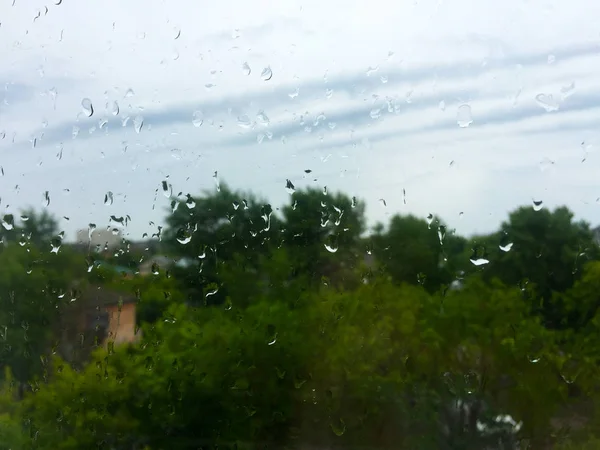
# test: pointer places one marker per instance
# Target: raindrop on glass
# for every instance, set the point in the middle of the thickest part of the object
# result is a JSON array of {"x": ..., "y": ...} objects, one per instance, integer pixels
[
  {"x": 266, "y": 73},
  {"x": 197, "y": 118},
  {"x": 114, "y": 109},
  {"x": 87, "y": 107},
  {"x": 46, "y": 199},
  {"x": 108, "y": 198},
  {"x": 507, "y": 247},
  {"x": 138, "y": 123},
  {"x": 479, "y": 261},
  {"x": 246, "y": 70},
  {"x": 547, "y": 102},
  {"x": 464, "y": 116},
  {"x": 290, "y": 186},
  {"x": 538, "y": 205},
  {"x": 244, "y": 121}
]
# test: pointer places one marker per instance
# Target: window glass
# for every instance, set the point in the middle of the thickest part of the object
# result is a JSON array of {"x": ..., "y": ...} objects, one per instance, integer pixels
[{"x": 299, "y": 224}]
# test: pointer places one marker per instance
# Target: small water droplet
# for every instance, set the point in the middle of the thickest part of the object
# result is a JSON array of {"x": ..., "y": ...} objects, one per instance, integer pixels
[
  {"x": 375, "y": 113},
  {"x": 197, "y": 118},
  {"x": 538, "y": 205},
  {"x": 129, "y": 93},
  {"x": 507, "y": 247},
  {"x": 216, "y": 178},
  {"x": 87, "y": 107},
  {"x": 429, "y": 220},
  {"x": 290, "y": 186},
  {"x": 551, "y": 59},
  {"x": 567, "y": 91},
  {"x": 209, "y": 86},
  {"x": 244, "y": 121},
  {"x": 184, "y": 238},
  {"x": 177, "y": 33},
  {"x": 464, "y": 116},
  {"x": 354, "y": 202},
  {"x": 167, "y": 189},
  {"x": 331, "y": 247},
  {"x": 266, "y": 73},
  {"x": 108, "y": 198},
  {"x": 328, "y": 93},
  {"x": 246, "y": 70},
  {"x": 372, "y": 70},
  {"x": 295, "y": 93},
  {"x": 547, "y": 102},
  {"x": 262, "y": 118},
  {"x": 383, "y": 202},
  {"x": 46, "y": 199},
  {"x": 338, "y": 427},
  {"x": 138, "y": 123},
  {"x": 114, "y": 108},
  {"x": 442, "y": 105}
]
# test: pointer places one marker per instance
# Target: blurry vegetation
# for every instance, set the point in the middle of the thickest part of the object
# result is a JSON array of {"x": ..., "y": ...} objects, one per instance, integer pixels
[{"x": 301, "y": 328}]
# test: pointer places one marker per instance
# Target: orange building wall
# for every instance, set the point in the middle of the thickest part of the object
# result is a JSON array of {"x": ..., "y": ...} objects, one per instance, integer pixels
[{"x": 121, "y": 324}]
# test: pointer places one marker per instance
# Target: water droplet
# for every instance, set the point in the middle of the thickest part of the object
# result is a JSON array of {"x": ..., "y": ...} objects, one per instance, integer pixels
[
  {"x": 114, "y": 109},
  {"x": 551, "y": 59},
  {"x": 197, "y": 118},
  {"x": 217, "y": 184},
  {"x": 442, "y": 105},
  {"x": 547, "y": 102},
  {"x": 479, "y": 261},
  {"x": 464, "y": 116},
  {"x": 58, "y": 2},
  {"x": 354, "y": 202},
  {"x": 567, "y": 91},
  {"x": 290, "y": 186},
  {"x": 46, "y": 199},
  {"x": 546, "y": 164},
  {"x": 538, "y": 205},
  {"x": 383, "y": 202},
  {"x": 209, "y": 86},
  {"x": 190, "y": 203},
  {"x": 338, "y": 427},
  {"x": 328, "y": 93},
  {"x": 244, "y": 121},
  {"x": 384, "y": 79},
  {"x": 429, "y": 220},
  {"x": 177, "y": 33},
  {"x": 246, "y": 70},
  {"x": 331, "y": 247},
  {"x": 87, "y": 107},
  {"x": 372, "y": 70},
  {"x": 266, "y": 73},
  {"x": 570, "y": 370},
  {"x": 138, "y": 123},
  {"x": 294, "y": 94},
  {"x": 507, "y": 247},
  {"x": 8, "y": 222},
  {"x": 167, "y": 189},
  {"x": 262, "y": 118},
  {"x": 108, "y": 198},
  {"x": 375, "y": 113},
  {"x": 184, "y": 238}
]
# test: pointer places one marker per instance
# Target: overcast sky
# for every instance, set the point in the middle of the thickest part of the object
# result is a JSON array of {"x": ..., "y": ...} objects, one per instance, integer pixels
[{"x": 466, "y": 106}]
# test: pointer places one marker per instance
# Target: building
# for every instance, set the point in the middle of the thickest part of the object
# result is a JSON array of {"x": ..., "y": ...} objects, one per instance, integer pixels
[
  {"x": 110, "y": 238},
  {"x": 95, "y": 317}
]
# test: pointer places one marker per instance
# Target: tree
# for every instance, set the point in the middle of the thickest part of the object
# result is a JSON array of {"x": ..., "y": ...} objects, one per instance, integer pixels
[
  {"x": 545, "y": 249},
  {"x": 322, "y": 232},
  {"x": 211, "y": 231},
  {"x": 416, "y": 252}
]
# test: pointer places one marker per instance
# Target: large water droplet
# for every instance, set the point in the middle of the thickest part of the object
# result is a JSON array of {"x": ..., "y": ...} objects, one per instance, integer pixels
[
  {"x": 108, "y": 198},
  {"x": 246, "y": 70},
  {"x": 331, "y": 247},
  {"x": 538, "y": 205},
  {"x": 197, "y": 118},
  {"x": 167, "y": 189},
  {"x": 184, "y": 238},
  {"x": 547, "y": 102},
  {"x": 464, "y": 116},
  {"x": 266, "y": 73},
  {"x": 87, "y": 107},
  {"x": 507, "y": 247},
  {"x": 479, "y": 261},
  {"x": 8, "y": 222},
  {"x": 138, "y": 123},
  {"x": 338, "y": 427}
]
